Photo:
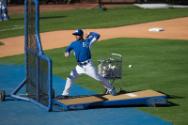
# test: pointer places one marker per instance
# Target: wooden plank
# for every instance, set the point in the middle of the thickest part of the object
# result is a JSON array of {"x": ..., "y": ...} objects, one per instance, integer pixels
[
  {"x": 139, "y": 94},
  {"x": 95, "y": 99},
  {"x": 82, "y": 100}
]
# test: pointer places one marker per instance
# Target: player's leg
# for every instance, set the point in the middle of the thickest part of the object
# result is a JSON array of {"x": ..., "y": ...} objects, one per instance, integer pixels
[
  {"x": 74, "y": 73},
  {"x": 92, "y": 72},
  {"x": 4, "y": 10},
  {"x": 1, "y": 17}
]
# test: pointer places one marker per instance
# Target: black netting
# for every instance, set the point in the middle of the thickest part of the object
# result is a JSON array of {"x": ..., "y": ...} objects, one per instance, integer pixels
[
  {"x": 38, "y": 82},
  {"x": 43, "y": 80},
  {"x": 31, "y": 26},
  {"x": 31, "y": 75}
]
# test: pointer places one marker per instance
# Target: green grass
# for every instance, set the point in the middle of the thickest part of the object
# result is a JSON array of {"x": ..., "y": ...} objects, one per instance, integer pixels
[
  {"x": 157, "y": 64},
  {"x": 91, "y": 18}
]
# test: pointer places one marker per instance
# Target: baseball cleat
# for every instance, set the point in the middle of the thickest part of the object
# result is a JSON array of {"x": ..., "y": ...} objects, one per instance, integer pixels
[
  {"x": 62, "y": 97},
  {"x": 112, "y": 92}
]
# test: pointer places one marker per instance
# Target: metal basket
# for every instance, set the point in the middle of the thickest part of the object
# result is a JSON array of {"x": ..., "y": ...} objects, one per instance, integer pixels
[{"x": 111, "y": 68}]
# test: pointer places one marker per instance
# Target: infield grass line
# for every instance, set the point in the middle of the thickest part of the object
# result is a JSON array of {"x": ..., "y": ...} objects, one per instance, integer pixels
[{"x": 92, "y": 18}]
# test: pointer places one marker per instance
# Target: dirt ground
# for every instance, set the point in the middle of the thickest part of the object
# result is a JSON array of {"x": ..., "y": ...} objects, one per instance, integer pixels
[
  {"x": 17, "y": 9},
  {"x": 173, "y": 29}
]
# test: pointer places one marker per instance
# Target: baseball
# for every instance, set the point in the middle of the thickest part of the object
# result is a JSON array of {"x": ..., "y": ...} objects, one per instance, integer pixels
[
  {"x": 113, "y": 67},
  {"x": 109, "y": 65},
  {"x": 130, "y": 66},
  {"x": 104, "y": 67}
]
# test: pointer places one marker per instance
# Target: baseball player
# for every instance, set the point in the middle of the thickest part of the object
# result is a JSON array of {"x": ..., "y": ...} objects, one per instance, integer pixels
[
  {"x": 3, "y": 10},
  {"x": 81, "y": 48}
]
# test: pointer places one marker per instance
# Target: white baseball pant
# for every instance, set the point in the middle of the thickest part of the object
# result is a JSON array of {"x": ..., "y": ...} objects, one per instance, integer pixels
[{"x": 89, "y": 70}]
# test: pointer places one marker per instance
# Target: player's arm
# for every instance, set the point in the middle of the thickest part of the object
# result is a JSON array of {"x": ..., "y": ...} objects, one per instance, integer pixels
[
  {"x": 93, "y": 37},
  {"x": 68, "y": 50}
]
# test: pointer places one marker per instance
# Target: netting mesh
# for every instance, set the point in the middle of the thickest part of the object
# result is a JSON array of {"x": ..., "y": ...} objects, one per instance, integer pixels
[
  {"x": 31, "y": 52},
  {"x": 31, "y": 75},
  {"x": 31, "y": 26},
  {"x": 38, "y": 82},
  {"x": 43, "y": 80}
]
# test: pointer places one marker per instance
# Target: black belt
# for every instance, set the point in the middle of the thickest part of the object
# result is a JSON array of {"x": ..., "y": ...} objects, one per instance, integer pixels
[{"x": 83, "y": 63}]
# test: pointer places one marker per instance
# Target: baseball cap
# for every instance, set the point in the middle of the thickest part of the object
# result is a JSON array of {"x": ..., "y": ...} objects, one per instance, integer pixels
[{"x": 78, "y": 32}]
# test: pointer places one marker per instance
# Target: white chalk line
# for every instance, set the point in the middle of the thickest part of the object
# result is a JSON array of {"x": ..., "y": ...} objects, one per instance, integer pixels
[{"x": 15, "y": 27}]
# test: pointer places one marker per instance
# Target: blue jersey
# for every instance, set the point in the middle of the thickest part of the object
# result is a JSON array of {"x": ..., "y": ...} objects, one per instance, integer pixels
[{"x": 81, "y": 48}]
